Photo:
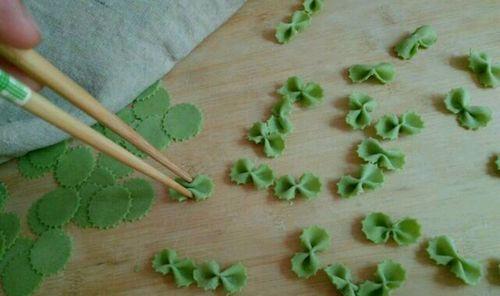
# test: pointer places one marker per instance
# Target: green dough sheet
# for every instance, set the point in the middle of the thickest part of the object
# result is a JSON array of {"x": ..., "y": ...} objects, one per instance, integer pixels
[
  {"x": 183, "y": 121},
  {"x": 151, "y": 129},
  {"x": 21, "y": 246},
  {"x": 423, "y": 37},
  {"x": 155, "y": 100},
  {"x": 51, "y": 252},
  {"x": 442, "y": 250},
  {"x": 487, "y": 72},
  {"x": 101, "y": 176},
  {"x": 201, "y": 187},
  {"x": 142, "y": 196},
  {"x": 4, "y": 195},
  {"x": 285, "y": 32},
  {"x": 371, "y": 151},
  {"x": 208, "y": 276},
  {"x": 47, "y": 157},
  {"x": 383, "y": 72},
  {"x": 370, "y": 177},
  {"x": 57, "y": 207},
  {"x": 308, "y": 186},
  {"x": 74, "y": 167},
  {"x": 378, "y": 227},
  {"x": 19, "y": 278},
  {"x": 167, "y": 262},
  {"x": 244, "y": 171},
  {"x": 389, "y": 127},
  {"x": 360, "y": 107},
  {"x": 117, "y": 168},
  {"x": 109, "y": 206},
  {"x": 28, "y": 170},
  {"x": 313, "y": 240},
  {"x": 10, "y": 227},
  {"x": 296, "y": 90},
  {"x": 81, "y": 217},
  {"x": 457, "y": 101},
  {"x": 36, "y": 226}
]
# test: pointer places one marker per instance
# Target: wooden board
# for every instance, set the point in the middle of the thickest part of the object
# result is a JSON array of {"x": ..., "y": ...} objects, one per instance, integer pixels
[{"x": 448, "y": 183}]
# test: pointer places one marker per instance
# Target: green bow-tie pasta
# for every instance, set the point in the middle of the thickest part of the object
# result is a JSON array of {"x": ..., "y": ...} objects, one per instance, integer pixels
[
  {"x": 488, "y": 73},
  {"x": 208, "y": 276},
  {"x": 370, "y": 177},
  {"x": 285, "y": 32},
  {"x": 370, "y": 150},
  {"x": 442, "y": 250},
  {"x": 423, "y": 37},
  {"x": 341, "y": 278},
  {"x": 307, "y": 94},
  {"x": 313, "y": 6},
  {"x": 383, "y": 72},
  {"x": 360, "y": 107},
  {"x": 457, "y": 101},
  {"x": 244, "y": 171},
  {"x": 378, "y": 227},
  {"x": 389, "y": 276},
  {"x": 201, "y": 187},
  {"x": 497, "y": 163},
  {"x": 279, "y": 125},
  {"x": 262, "y": 133},
  {"x": 390, "y": 126},
  {"x": 283, "y": 108},
  {"x": 167, "y": 261},
  {"x": 286, "y": 187},
  {"x": 313, "y": 239}
]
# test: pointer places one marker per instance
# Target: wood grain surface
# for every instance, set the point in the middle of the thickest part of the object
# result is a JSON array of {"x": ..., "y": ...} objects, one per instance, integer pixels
[{"x": 449, "y": 183}]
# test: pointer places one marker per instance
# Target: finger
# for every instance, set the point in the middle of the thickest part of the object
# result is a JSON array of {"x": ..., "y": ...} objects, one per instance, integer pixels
[
  {"x": 17, "y": 27},
  {"x": 20, "y": 75}
]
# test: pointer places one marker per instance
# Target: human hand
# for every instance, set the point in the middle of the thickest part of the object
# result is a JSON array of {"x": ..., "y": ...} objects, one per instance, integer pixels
[{"x": 19, "y": 30}]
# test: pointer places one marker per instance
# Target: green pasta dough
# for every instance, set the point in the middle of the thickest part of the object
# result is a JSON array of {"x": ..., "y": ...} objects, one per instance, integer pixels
[
  {"x": 273, "y": 141},
  {"x": 296, "y": 90},
  {"x": 34, "y": 223},
  {"x": 74, "y": 167},
  {"x": 19, "y": 278},
  {"x": 48, "y": 156},
  {"x": 201, "y": 187},
  {"x": 28, "y": 170},
  {"x": 155, "y": 100},
  {"x": 313, "y": 6},
  {"x": 87, "y": 191},
  {"x": 390, "y": 126},
  {"x": 370, "y": 177},
  {"x": 22, "y": 245},
  {"x": 109, "y": 206},
  {"x": 151, "y": 129},
  {"x": 244, "y": 171},
  {"x": 51, "y": 252},
  {"x": 457, "y": 101},
  {"x": 208, "y": 276},
  {"x": 341, "y": 278},
  {"x": 142, "y": 197},
  {"x": 497, "y": 162},
  {"x": 442, "y": 250},
  {"x": 285, "y": 32},
  {"x": 423, "y": 37},
  {"x": 487, "y": 72},
  {"x": 360, "y": 107},
  {"x": 378, "y": 227},
  {"x": 117, "y": 168},
  {"x": 10, "y": 227},
  {"x": 308, "y": 186},
  {"x": 183, "y": 121},
  {"x": 167, "y": 262},
  {"x": 280, "y": 125},
  {"x": 57, "y": 207},
  {"x": 313, "y": 239},
  {"x": 388, "y": 277},
  {"x": 4, "y": 195},
  {"x": 383, "y": 72},
  {"x": 370, "y": 150}
]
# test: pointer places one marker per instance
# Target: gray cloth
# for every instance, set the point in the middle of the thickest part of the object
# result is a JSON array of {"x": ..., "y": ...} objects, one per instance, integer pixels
[{"x": 113, "y": 48}]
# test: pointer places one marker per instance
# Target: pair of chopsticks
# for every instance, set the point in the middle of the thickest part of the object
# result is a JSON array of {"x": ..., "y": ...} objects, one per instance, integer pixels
[{"x": 44, "y": 72}]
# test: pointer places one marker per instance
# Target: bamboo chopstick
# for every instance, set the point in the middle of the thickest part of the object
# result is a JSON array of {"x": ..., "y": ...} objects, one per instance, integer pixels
[
  {"x": 14, "y": 91},
  {"x": 43, "y": 71}
]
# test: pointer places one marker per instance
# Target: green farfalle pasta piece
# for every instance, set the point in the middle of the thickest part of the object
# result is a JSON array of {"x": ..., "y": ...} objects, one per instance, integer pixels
[
  {"x": 341, "y": 278},
  {"x": 208, "y": 276},
  {"x": 313, "y": 6},
  {"x": 279, "y": 125},
  {"x": 201, "y": 187},
  {"x": 360, "y": 107},
  {"x": 313, "y": 239},
  {"x": 244, "y": 171},
  {"x": 273, "y": 141},
  {"x": 296, "y": 90},
  {"x": 388, "y": 277},
  {"x": 383, "y": 72},
  {"x": 487, "y": 72},
  {"x": 308, "y": 186},
  {"x": 458, "y": 100},
  {"x": 442, "y": 250},
  {"x": 370, "y": 150},
  {"x": 423, "y": 37},
  {"x": 378, "y": 227},
  {"x": 167, "y": 262},
  {"x": 389, "y": 127},
  {"x": 285, "y": 32},
  {"x": 370, "y": 177}
]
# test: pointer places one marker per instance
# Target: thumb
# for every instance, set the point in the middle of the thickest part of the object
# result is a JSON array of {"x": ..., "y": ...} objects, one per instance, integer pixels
[{"x": 17, "y": 27}]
